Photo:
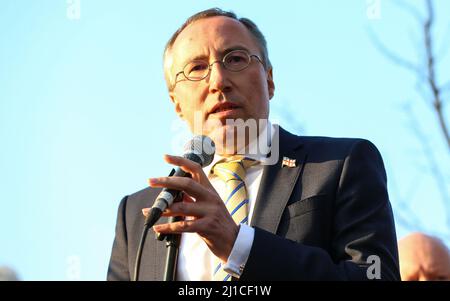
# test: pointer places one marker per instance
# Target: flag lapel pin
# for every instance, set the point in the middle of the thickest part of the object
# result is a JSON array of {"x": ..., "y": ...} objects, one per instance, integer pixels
[{"x": 288, "y": 162}]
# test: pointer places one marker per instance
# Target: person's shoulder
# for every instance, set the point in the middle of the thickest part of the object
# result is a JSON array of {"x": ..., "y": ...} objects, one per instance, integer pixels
[
  {"x": 338, "y": 147},
  {"x": 335, "y": 142},
  {"x": 322, "y": 141}
]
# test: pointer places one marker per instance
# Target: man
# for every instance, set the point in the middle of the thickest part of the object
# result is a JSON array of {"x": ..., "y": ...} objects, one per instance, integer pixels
[
  {"x": 423, "y": 257},
  {"x": 317, "y": 213}
]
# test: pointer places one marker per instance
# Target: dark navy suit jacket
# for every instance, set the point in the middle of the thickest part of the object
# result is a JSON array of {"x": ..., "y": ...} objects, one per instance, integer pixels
[{"x": 319, "y": 220}]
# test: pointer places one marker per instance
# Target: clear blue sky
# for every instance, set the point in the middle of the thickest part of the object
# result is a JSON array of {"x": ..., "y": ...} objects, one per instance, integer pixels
[{"x": 85, "y": 117}]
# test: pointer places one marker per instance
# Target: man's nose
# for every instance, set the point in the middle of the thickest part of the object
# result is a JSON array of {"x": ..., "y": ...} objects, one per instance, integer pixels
[{"x": 219, "y": 78}]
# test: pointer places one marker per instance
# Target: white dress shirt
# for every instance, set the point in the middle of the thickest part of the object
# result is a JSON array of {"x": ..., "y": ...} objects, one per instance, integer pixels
[{"x": 195, "y": 260}]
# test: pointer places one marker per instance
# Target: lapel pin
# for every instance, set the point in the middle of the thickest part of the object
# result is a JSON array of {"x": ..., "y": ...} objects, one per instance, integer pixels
[{"x": 288, "y": 162}]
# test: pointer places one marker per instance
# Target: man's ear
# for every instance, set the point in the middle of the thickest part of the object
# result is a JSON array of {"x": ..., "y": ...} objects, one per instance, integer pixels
[
  {"x": 270, "y": 83},
  {"x": 173, "y": 98}
]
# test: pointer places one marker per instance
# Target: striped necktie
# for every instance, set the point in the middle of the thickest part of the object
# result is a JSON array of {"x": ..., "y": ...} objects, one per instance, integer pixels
[{"x": 232, "y": 172}]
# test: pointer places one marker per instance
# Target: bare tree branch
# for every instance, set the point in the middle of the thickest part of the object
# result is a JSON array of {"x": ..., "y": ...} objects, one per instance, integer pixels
[
  {"x": 433, "y": 94},
  {"x": 412, "y": 10},
  {"x": 392, "y": 56},
  {"x": 422, "y": 90},
  {"x": 433, "y": 165},
  {"x": 429, "y": 76},
  {"x": 437, "y": 103}
]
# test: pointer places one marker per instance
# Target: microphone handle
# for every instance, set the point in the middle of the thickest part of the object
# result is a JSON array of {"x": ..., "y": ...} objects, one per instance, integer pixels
[{"x": 165, "y": 198}]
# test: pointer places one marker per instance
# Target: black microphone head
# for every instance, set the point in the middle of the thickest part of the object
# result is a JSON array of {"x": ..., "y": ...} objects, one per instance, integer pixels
[{"x": 202, "y": 147}]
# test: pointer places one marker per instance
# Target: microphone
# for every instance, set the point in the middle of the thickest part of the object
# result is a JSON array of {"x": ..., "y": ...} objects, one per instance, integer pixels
[{"x": 199, "y": 149}]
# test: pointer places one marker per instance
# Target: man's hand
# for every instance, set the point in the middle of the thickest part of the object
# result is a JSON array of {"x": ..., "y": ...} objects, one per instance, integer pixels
[{"x": 209, "y": 217}]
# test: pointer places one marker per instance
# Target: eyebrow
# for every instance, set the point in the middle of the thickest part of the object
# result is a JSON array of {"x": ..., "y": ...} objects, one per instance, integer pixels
[{"x": 222, "y": 54}]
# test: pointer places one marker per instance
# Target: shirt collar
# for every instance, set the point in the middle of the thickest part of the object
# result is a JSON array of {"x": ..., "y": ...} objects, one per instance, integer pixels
[{"x": 262, "y": 143}]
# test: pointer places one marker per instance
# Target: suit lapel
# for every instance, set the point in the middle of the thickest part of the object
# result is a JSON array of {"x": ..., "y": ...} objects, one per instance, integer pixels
[
  {"x": 277, "y": 183},
  {"x": 155, "y": 253},
  {"x": 158, "y": 265}
]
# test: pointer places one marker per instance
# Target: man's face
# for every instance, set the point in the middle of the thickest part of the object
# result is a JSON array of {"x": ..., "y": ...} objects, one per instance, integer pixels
[{"x": 223, "y": 94}]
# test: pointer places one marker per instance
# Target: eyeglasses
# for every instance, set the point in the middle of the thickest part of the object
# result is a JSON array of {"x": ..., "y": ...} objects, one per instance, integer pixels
[{"x": 234, "y": 61}]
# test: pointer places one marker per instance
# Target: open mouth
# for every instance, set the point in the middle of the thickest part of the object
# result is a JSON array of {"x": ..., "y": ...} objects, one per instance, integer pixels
[{"x": 224, "y": 107}]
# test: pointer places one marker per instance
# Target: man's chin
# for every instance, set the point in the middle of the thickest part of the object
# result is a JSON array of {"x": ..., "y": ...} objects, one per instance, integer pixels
[
  {"x": 226, "y": 140},
  {"x": 218, "y": 135}
]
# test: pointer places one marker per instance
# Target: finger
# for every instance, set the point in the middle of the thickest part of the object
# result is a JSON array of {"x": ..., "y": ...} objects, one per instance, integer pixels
[
  {"x": 176, "y": 228},
  {"x": 179, "y": 161},
  {"x": 145, "y": 211},
  {"x": 187, "y": 209},
  {"x": 188, "y": 185},
  {"x": 186, "y": 199},
  {"x": 187, "y": 165}
]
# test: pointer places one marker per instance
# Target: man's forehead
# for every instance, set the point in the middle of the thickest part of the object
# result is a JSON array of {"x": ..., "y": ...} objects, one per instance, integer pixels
[{"x": 218, "y": 33}]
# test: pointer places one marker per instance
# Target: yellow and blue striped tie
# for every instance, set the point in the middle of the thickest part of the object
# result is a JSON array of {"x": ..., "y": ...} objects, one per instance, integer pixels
[{"x": 232, "y": 172}]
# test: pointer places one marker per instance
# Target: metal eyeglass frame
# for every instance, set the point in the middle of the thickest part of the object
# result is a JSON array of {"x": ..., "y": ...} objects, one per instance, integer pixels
[{"x": 222, "y": 62}]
